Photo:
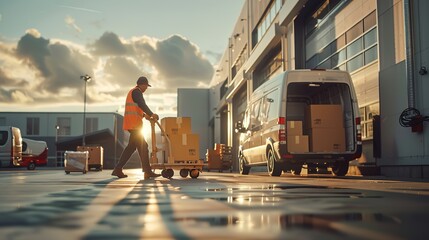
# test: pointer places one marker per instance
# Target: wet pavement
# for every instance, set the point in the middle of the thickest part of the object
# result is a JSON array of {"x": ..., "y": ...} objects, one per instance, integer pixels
[{"x": 48, "y": 204}]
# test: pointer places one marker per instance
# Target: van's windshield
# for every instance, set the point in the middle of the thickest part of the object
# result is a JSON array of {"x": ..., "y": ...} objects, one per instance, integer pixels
[{"x": 3, "y": 137}]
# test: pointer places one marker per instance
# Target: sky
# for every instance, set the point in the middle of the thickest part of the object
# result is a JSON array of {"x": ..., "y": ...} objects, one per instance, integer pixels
[{"x": 46, "y": 45}]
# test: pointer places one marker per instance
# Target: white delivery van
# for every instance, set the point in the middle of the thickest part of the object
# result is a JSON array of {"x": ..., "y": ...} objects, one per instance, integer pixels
[
  {"x": 301, "y": 117},
  {"x": 10, "y": 146}
]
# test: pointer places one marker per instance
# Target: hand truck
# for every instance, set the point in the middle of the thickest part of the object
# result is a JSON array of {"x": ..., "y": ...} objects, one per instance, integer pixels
[{"x": 186, "y": 167}]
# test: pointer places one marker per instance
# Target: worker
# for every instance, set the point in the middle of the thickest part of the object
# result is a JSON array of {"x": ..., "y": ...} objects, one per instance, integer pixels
[{"x": 135, "y": 110}]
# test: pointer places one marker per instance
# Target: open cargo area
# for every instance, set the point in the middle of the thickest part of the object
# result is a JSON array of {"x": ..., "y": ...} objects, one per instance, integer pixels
[{"x": 322, "y": 114}]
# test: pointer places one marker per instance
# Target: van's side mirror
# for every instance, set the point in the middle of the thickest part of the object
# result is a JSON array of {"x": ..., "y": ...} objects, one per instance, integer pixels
[{"x": 239, "y": 127}]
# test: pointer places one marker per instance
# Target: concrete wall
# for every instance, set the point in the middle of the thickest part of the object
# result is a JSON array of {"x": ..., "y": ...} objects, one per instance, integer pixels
[
  {"x": 194, "y": 103},
  {"x": 401, "y": 147}
]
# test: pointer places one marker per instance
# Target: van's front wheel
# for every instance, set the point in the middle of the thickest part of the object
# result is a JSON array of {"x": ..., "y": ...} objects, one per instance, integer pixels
[
  {"x": 273, "y": 167},
  {"x": 244, "y": 170},
  {"x": 340, "y": 168}
]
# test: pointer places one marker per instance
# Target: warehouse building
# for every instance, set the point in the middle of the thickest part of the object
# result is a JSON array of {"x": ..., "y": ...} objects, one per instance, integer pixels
[{"x": 383, "y": 44}]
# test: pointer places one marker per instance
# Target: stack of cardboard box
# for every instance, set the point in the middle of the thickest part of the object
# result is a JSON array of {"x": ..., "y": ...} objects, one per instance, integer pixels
[
  {"x": 296, "y": 141},
  {"x": 326, "y": 127},
  {"x": 95, "y": 158},
  {"x": 219, "y": 158},
  {"x": 184, "y": 143}
]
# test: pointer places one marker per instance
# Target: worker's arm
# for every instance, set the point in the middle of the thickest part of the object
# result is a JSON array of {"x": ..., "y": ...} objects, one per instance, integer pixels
[{"x": 138, "y": 98}]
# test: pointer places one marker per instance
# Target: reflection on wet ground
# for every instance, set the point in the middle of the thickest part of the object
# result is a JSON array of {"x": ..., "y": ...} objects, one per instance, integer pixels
[
  {"x": 198, "y": 209},
  {"x": 268, "y": 194},
  {"x": 287, "y": 221}
]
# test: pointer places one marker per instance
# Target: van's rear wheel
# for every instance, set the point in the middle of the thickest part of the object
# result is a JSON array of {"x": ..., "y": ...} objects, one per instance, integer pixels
[
  {"x": 273, "y": 167},
  {"x": 31, "y": 166},
  {"x": 340, "y": 168},
  {"x": 244, "y": 170}
]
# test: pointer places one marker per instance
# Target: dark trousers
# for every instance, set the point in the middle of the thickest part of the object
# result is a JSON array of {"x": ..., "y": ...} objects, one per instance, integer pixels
[{"x": 138, "y": 142}]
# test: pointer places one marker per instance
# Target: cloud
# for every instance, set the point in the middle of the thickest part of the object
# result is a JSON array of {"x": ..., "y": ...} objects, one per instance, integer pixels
[
  {"x": 179, "y": 63},
  {"x": 6, "y": 81},
  {"x": 214, "y": 56},
  {"x": 41, "y": 70},
  {"x": 71, "y": 22},
  {"x": 121, "y": 71},
  {"x": 21, "y": 97},
  {"x": 59, "y": 65},
  {"x": 108, "y": 44}
]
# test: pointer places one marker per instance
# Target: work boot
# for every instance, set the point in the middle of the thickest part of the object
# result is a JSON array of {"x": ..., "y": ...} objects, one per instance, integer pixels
[
  {"x": 150, "y": 174},
  {"x": 118, "y": 173}
]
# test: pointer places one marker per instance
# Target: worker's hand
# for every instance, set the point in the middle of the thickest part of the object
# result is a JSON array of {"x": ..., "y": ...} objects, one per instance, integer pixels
[
  {"x": 147, "y": 117},
  {"x": 155, "y": 117}
]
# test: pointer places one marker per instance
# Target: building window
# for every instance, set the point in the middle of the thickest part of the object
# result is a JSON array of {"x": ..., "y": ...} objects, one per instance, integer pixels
[
  {"x": 64, "y": 125},
  {"x": 354, "y": 32},
  {"x": 266, "y": 21},
  {"x": 223, "y": 88},
  {"x": 33, "y": 126},
  {"x": 91, "y": 125},
  {"x": 367, "y": 114},
  {"x": 241, "y": 59},
  {"x": 272, "y": 65},
  {"x": 317, "y": 17},
  {"x": 369, "y": 21},
  {"x": 352, "y": 50}
]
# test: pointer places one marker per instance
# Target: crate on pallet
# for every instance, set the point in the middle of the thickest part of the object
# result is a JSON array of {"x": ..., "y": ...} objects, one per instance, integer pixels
[{"x": 219, "y": 158}]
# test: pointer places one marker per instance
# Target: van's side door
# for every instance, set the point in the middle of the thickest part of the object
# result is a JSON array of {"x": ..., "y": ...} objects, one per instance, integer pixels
[
  {"x": 255, "y": 132},
  {"x": 270, "y": 113}
]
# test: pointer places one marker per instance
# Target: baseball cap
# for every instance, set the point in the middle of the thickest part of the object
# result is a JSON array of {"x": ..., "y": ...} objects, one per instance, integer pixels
[{"x": 143, "y": 81}]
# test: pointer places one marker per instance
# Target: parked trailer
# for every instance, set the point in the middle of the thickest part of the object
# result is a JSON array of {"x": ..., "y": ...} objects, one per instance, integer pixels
[{"x": 186, "y": 167}]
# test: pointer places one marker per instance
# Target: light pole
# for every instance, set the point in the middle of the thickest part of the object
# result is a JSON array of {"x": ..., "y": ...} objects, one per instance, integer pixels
[
  {"x": 86, "y": 78},
  {"x": 57, "y": 127}
]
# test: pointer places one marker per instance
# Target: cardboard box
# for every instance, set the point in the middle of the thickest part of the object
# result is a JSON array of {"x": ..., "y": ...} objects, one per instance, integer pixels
[
  {"x": 184, "y": 147},
  {"x": 213, "y": 159},
  {"x": 76, "y": 161},
  {"x": 294, "y": 128},
  {"x": 95, "y": 157},
  {"x": 324, "y": 116},
  {"x": 327, "y": 140},
  {"x": 176, "y": 125},
  {"x": 297, "y": 144}
]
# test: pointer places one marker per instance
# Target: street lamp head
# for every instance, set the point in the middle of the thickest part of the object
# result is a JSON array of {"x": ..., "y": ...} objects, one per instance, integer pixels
[{"x": 86, "y": 78}]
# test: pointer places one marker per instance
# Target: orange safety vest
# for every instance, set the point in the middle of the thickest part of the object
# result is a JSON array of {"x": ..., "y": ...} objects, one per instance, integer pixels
[{"x": 133, "y": 114}]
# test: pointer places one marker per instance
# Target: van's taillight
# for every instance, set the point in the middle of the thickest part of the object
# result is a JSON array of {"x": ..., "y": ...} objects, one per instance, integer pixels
[
  {"x": 358, "y": 131},
  {"x": 282, "y": 136},
  {"x": 282, "y": 130}
]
